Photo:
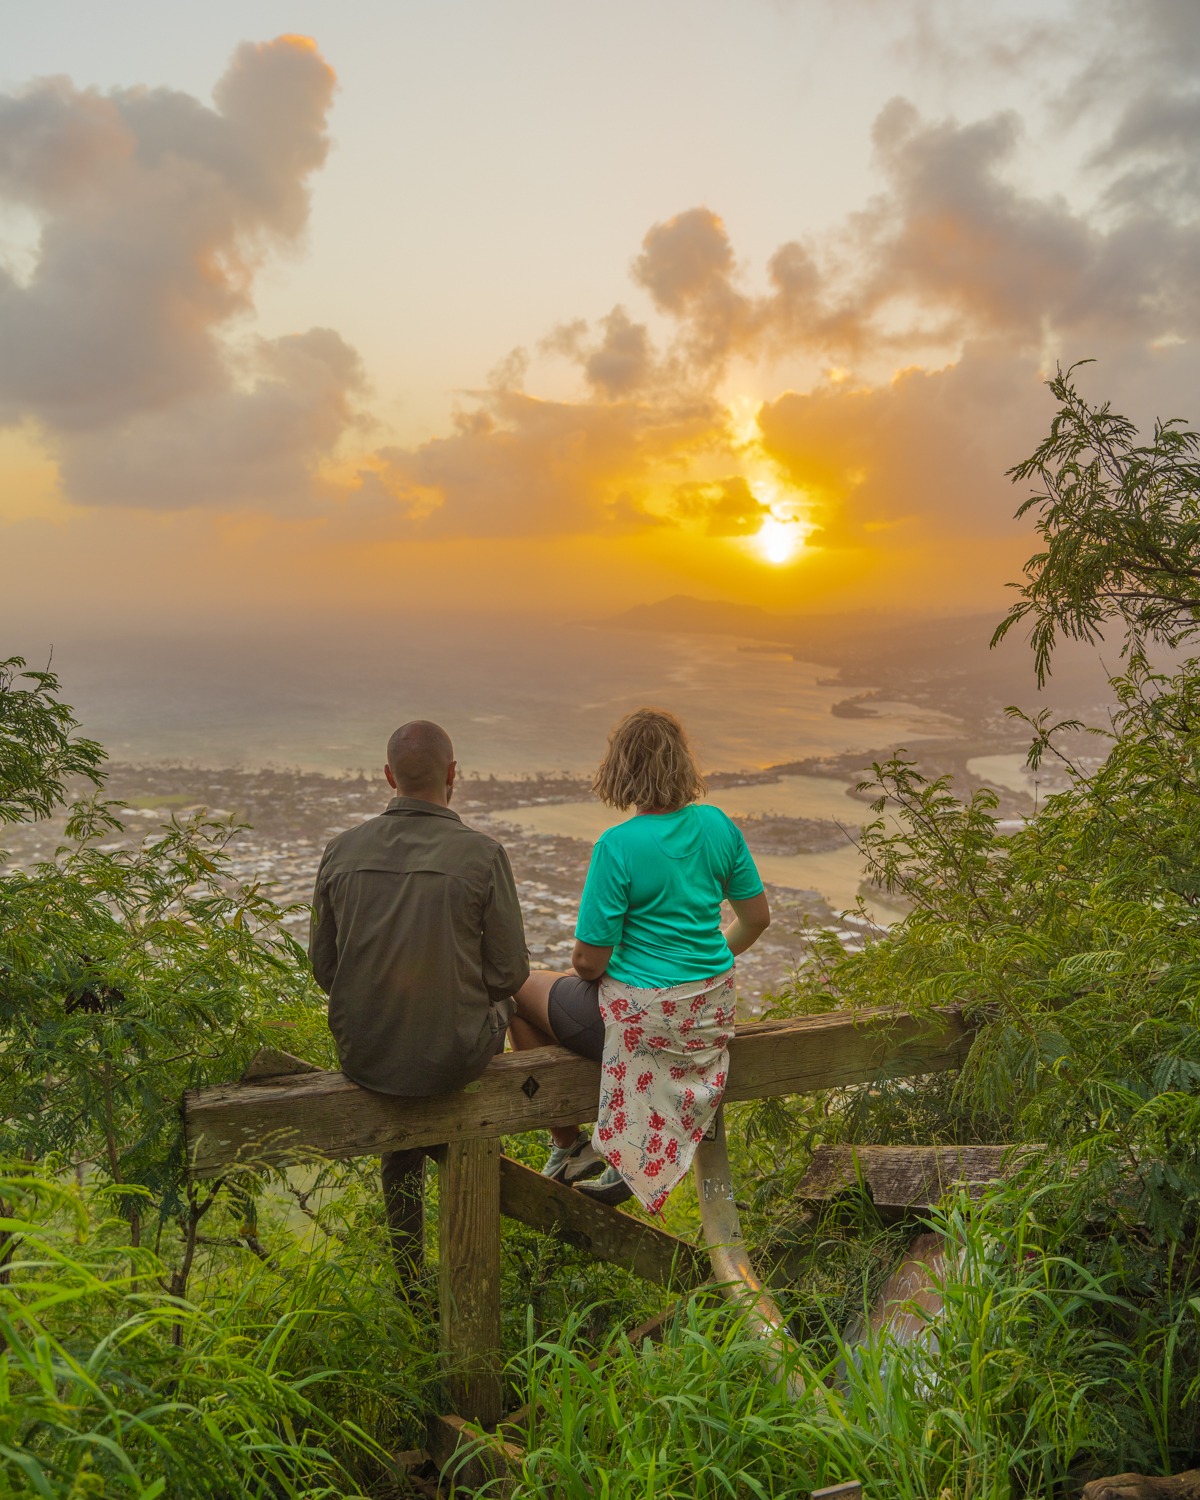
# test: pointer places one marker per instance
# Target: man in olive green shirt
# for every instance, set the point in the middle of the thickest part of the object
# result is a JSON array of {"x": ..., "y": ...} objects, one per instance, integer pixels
[{"x": 417, "y": 939}]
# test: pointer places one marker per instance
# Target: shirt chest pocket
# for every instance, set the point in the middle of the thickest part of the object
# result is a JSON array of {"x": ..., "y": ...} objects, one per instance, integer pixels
[{"x": 424, "y": 892}]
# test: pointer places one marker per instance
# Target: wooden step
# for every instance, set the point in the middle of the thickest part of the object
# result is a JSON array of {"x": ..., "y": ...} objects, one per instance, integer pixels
[{"x": 909, "y": 1177}]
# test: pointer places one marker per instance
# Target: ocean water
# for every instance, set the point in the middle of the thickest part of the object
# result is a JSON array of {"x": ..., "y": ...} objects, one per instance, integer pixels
[
  {"x": 516, "y": 695},
  {"x": 835, "y": 873}
]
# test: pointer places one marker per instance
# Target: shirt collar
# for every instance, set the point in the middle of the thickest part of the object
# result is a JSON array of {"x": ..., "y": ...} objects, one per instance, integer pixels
[{"x": 415, "y": 805}]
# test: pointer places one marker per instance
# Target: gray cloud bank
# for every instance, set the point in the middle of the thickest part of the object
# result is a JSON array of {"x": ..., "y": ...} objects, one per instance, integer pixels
[{"x": 156, "y": 211}]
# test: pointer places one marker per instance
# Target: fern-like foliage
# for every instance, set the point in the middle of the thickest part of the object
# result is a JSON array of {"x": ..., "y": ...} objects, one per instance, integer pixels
[{"x": 1121, "y": 525}]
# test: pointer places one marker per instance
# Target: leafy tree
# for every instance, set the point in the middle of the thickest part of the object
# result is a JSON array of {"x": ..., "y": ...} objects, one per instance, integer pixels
[
  {"x": 126, "y": 977},
  {"x": 1074, "y": 942},
  {"x": 158, "y": 1336},
  {"x": 38, "y": 749},
  {"x": 1121, "y": 523}
]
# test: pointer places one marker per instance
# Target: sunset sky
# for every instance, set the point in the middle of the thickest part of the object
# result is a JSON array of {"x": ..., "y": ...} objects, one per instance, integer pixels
[{"x": 310, "y": 308}]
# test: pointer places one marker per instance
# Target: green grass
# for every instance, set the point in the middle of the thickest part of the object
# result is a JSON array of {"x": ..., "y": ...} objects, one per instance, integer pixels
[
  {"x": 293, "y": 1377},
  {"x": 1043, "y": 1371}
]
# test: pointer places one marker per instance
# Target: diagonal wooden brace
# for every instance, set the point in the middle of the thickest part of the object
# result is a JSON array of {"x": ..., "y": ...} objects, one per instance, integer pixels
[{"x": 605, "y": 1233}]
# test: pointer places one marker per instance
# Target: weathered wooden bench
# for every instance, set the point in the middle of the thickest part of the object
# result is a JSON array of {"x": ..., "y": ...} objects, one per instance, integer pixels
[{"x": 272, "y": 1118}]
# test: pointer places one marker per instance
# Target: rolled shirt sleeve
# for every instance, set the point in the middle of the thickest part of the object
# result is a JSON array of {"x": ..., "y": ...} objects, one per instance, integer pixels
[{"x": 605, "y": 899}]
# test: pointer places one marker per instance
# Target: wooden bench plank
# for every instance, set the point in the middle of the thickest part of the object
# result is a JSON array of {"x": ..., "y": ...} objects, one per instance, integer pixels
[
  {"x": 904, "y": 1177},
  {"x": 272, "y": 1121},
  {"x": 605, "y": 1233}
]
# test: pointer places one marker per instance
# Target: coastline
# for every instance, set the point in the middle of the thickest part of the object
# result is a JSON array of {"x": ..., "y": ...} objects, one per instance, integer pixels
[{"x": 291, "y": 815}]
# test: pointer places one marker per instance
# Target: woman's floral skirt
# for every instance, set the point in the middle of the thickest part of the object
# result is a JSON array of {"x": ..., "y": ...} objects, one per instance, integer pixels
[{"x": 666, "y": 1059}]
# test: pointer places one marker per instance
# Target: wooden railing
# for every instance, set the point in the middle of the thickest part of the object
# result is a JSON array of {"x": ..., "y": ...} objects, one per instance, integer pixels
[{"x": 272, "y": 1120}]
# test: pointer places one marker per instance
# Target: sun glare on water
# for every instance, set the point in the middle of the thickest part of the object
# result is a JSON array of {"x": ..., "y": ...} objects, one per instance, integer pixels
[{"x": 778, "y": 541}]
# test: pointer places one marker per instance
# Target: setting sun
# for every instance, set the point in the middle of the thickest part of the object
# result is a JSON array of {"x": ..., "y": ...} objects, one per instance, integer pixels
[{"x": 778, "y": 541}]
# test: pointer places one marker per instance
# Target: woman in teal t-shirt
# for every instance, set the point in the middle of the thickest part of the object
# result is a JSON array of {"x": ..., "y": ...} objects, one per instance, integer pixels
[{"x": 650, "y": 995}]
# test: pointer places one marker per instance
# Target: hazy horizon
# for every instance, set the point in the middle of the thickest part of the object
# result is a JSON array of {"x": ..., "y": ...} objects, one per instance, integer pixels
[{"x": 517, "y": 698}]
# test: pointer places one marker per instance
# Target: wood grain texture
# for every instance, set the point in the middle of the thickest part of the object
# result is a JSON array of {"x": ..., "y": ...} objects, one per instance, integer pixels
[
  {"x": 1184, "y": 1486},
  {"x": 324, "y": 1114},
  {"x": 493, "y": 1461},
  {"x": 605, "y": 1233},
  {"x": 469, "y": 1277},
  {"x": 903, "y": 1177},
  {"x": 270, "y": 1062}
]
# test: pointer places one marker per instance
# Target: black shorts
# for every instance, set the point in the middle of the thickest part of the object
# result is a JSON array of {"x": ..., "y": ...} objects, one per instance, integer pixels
[{"x": 574, "y": 1011}]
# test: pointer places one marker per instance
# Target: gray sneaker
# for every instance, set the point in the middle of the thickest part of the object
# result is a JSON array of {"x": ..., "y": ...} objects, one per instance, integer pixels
[
  {"x": 574, "y": 1163},
  {"x": 610, "y": 1188}
]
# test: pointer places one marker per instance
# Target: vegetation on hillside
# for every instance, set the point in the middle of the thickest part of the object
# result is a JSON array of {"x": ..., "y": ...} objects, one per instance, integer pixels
[{"x": 246, "y": 1337}]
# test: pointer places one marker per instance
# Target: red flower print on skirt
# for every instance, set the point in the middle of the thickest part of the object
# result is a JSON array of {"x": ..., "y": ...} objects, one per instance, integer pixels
[{"x": 676, "y": 1042}]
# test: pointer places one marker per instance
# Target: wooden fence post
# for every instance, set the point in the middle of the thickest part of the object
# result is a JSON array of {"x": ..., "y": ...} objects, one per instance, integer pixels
[{"x": 469, "y": 1272}]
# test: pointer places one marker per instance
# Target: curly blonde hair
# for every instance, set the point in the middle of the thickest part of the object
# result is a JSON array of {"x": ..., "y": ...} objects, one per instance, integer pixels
[{"x": 648, "y": 763}]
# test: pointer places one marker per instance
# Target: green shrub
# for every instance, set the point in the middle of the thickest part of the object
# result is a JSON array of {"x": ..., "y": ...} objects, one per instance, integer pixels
[{"x": 110, "y": 1387}]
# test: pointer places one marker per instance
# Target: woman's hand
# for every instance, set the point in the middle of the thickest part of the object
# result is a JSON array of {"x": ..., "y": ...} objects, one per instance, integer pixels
[
  {"x": 750, "y": 920},
  {"x": 589, "y": 962}
]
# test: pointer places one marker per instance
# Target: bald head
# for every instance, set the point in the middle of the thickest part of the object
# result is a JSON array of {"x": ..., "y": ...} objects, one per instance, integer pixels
[{"x": 420, "y": 760}]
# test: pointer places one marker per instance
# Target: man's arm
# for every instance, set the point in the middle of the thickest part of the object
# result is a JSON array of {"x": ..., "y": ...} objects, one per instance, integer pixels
[
  {"x": 505, "y": 956},
  {"x": 322, "y": 934}
]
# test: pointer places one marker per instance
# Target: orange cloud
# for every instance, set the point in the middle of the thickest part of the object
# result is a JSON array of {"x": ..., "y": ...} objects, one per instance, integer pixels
[
  {"x": 516, "y": 465},
  {"x": 939, "y": 300},
  {"x": 923, "y": 456}
]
